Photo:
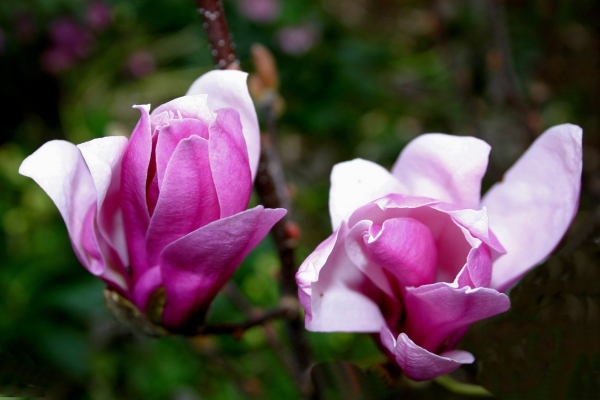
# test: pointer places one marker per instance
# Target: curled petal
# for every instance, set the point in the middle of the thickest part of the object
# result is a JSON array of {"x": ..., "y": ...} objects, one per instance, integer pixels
[
  {"x": 229, "y": 89},
  {"x": 336, "y": 295},
  {"x": 407, "y": 249},
  {"x": 419, "y": 364},
  {"x": 444, "y": 167},
  {"x": 531, "y": 209},
  {"x": 103, "y": 158},
  {"x": 197, "y": 265},
  {"x": 436, "y": 311},
  {"x": 60, "y": 170},
  {"x": 356, "y": 183}
]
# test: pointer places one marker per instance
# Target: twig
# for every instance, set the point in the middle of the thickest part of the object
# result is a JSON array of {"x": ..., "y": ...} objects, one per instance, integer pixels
[
  {"x": 220, "y": 38},
  {"x": 270, "y": 186},
  {"x": 239, "y": 328}
]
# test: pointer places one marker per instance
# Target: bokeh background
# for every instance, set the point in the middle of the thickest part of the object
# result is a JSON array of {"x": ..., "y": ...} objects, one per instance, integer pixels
[{"x": 359, "y": 78}]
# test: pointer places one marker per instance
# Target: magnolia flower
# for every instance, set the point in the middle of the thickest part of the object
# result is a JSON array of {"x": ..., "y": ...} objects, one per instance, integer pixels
[
  {"x": 417, "y": 256},
  {"x": 164, "y": 212}
]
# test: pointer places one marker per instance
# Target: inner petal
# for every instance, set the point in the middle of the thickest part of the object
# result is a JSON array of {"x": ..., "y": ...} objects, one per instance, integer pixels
[{"x": 406, "y": 248}]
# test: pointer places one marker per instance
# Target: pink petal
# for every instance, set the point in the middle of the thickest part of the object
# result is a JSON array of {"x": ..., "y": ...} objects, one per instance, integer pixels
[
  {"x": 419, "y": 364},
  {"x": 435, "y": 311},
  {"x": 103, "y": 158},
  {"x": 228, "y": 89},
  {"x": 330, "y": 285},
  {"x": 169, "y": 137},
  {"x": 229, "y": 162},
  {"x": 134, "y": 170},
  {"x": 193, "y": 107},
  {"x": 60, "y": 170},
  {"x": 196, "y": 266},
  {"x": 356, "y": 183},
  {"x": 444, "y": 167},
  {"x": 358, "y": 254},
  {"x": 478, "y": 270},
  {"x": 531, "y": 209},
  {"x": 406, "y": 248},
  {"x": 188, "y": 199},
  {"x": 145, "y": 286},
  {"x": 451, "y": 241}
]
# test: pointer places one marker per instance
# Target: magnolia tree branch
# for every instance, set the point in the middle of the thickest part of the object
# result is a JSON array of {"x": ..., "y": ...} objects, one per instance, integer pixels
[
  {"x": 237, "y": 329},
  {"x": 220, "y": 38},
  {"x": 272, "y": 189}
]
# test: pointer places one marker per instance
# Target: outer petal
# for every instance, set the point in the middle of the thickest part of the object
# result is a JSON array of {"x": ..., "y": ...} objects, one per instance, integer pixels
[
  {"x": 444, "y": 167},
  {"x": 134, "y": 171},
  {"x": 229, "y": 162},
  {"x": 59, "y": 168},
  {"x": 196, "y": 266},
  {"x": 356, "y": 183},
  {"x": 334, "y": 293},
  {"x": 532, "y": 207},
  {"x": 103, "y": 158},
  {"x": 420, "y": 364},
  {"x": 435, "y": 311},
  {"x": 229, "y": 89},
  {"x": 188, "y": 199}
]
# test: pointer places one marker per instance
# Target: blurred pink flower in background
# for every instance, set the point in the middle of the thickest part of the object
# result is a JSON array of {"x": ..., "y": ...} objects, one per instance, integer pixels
[
  {"x": 260, "y": 10},
  {"x": 417, "y": 256},
  {"x": 141, "y": 63},
  {"x": 297, "y": 40},
  {"x": 70, "y": 42},
  {"x": 166, "y": 209},
  {"x": 98, "y": 15}
]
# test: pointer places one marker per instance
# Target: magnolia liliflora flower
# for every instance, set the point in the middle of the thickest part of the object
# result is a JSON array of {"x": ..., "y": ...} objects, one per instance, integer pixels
[
  {"x": 165, "y": 209},
  {"x": 417, "y": 256}
]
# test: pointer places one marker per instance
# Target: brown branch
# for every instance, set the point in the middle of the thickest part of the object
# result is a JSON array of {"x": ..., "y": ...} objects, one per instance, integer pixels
[
  {"x": 220, "y": 38},
  {"x": 271, "y": 187},
  {"x": 237, "y": 329}
]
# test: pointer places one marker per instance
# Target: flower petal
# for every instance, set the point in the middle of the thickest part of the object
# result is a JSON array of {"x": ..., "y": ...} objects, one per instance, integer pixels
[
  {"x": 193, "y": 107},
  {"x": 60, "y": 170},
  {"x": 196, "y": 266},
  {"x": 436, "y": 311},
  {"x": 228, "y": 88},
  {"x": 169, "y": 137},
  {"x": 134, "y": 170},
  {"x": 334, "y": 293},
  {"x": 419, "y": 364},
  {"x": 531, "y": 209},
  {"x": 356, "y": 183},
  {"x": 406, "y": 248},
  {"x": 444, "y": 167},
  {"x": 188, "y": 199},
  {"x": 229, "y": 162},
  {"x": 103, "y": 158}
]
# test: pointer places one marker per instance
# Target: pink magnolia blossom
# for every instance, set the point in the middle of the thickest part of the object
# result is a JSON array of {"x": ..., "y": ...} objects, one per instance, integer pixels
[
  {"x": 166, "y": 208},
  {"x": 417, "y": 256}
]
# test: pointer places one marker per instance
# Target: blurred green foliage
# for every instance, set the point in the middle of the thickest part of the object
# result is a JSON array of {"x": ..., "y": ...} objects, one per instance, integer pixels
[{"x": 373, "y": 75}]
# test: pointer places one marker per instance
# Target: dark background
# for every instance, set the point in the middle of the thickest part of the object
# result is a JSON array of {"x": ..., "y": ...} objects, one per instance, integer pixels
[{"x": 359, "y": 78}]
